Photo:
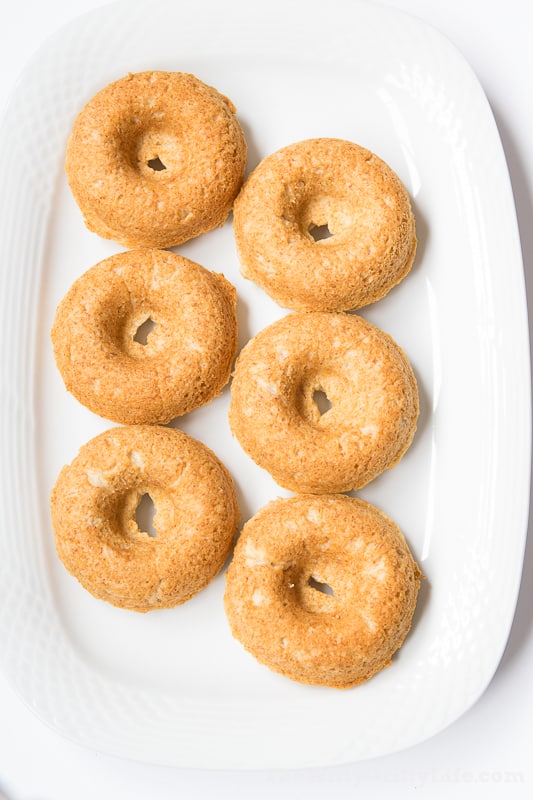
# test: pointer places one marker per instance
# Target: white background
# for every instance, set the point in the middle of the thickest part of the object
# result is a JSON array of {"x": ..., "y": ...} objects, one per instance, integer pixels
[{"x": 486, "y": 753}]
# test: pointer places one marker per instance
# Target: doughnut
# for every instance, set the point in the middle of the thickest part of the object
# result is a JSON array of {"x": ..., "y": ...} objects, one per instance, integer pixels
[
  {"x": 155, "y": 158},
  {"x": 285, "y": 378},
  {"x": 187, "y": 357},
  {"x": 324, "y": 225},
  {"x": 93, "y": 508},
  {"x": 321, "y": 589}
]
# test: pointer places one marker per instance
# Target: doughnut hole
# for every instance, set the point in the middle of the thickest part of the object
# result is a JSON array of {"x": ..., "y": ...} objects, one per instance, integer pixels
[
  {"x": 139, "y": 513},
  {"x": 139, "y": 331},
  {"x": 308, "y": 584},
  {"x": 159, "y": 156},
  {"x": 314, "y": 591},
  {"x": 156, "y": 164},
  {"x": 321, "y": 401},
  {"x": 144, "y": 333},
  {"x": 318, "y": 396},
  {"x": 325, "y": 588},
  {"x": 147, "y": 151},
  {"x": 145, "y": 514},
  {"x": 323, "y": 218},
  {"x": 334, "y": 220},
  {"x": 132, "y": 331},
  {"x": 144, "y": 330},
  {"x": 320, "y": 232}
]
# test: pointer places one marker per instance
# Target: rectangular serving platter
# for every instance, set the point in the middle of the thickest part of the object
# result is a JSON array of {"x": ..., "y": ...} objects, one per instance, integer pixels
[{"x": 173, "y": 687}]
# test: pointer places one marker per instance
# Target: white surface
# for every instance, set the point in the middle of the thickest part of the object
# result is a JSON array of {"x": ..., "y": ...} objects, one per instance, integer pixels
[
  {"x": 71, "y": 658},
  {"x": 473, "y": 755}
]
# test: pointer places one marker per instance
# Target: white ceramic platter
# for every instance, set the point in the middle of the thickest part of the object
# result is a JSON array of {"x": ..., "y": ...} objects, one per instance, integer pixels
[{"x": 173, "y": 687}]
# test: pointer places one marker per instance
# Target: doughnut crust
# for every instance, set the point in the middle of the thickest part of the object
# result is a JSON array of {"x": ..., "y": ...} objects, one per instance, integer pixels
[
  {"x": 299, "y": 189},
  {"x": 187, "y": 358},
  {"x": 155, "y": 158},
  {"x": 288, "y": 555},
  {"x": 93, "y": 508},
  {"x": 366, "y": 377}
]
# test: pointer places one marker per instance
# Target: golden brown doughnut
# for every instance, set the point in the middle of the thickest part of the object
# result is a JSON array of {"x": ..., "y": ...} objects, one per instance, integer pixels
[
  {"x": 93, "y": 507},
  {"x": 155, "y": 158},
  {"x": 274, "y": 411},
  {"x": 187, "y": 358},
  {"x": 298, "y": 190},
  {"x": 322, "y": 589}
]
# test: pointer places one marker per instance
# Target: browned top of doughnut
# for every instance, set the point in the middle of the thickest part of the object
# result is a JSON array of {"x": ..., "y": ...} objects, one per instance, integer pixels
[
  {"x": 366, "y": 377},
  {"x": 93, "y": 508},
  {"x": 187, "y": 358},
  {"x": 288, "y": 555},
  {"x": 131, "y": 129},
  {"x": 315, "y": 183}
]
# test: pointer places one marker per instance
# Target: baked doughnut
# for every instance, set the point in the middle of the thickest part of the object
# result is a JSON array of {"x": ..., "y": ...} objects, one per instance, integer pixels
[
  {"x": 94, "y": 502},
  {"x": 279, "y": 381},
  {"x": 155, "y": 158},
  {"x": 332, "y": 187},
  {"x": 322, "y": 589},
  {"x": 187, "y": 358}
]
